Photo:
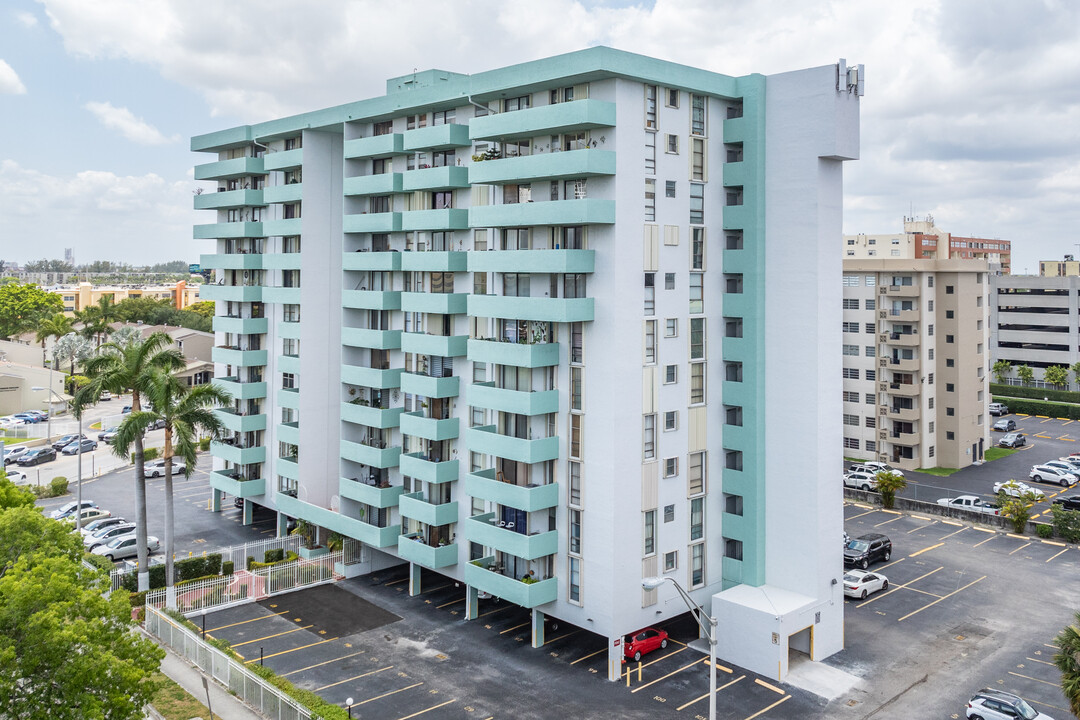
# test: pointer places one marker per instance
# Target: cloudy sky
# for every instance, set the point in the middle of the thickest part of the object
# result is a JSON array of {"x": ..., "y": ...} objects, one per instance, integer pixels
[{"x": 972, "y": 111}]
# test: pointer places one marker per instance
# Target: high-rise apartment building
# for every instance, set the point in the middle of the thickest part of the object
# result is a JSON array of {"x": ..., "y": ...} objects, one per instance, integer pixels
[
  {"x": 922, "y": 239},
  {"x": 916, "y": 362},
  {"x": 527, "y": 328}
]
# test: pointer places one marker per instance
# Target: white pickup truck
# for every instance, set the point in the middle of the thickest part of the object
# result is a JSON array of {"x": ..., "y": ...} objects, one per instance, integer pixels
[{"x": 972, "y": 503}]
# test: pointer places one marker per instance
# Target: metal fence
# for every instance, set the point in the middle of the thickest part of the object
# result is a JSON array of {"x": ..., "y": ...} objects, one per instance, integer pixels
[
  {"x": 240, "y": 681},
  {"x": 206, "y": 593}
]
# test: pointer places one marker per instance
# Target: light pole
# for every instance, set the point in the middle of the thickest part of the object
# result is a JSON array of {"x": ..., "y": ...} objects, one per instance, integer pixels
[
  {"x": 348, "y": 704},
  {"x": 652, "y": 583},
  {"x": 79, "y": 439}
]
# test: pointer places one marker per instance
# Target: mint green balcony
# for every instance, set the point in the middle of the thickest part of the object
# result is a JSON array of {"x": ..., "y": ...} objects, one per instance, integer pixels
[
  {"x": 432, "y": 387},
  {"x": 236, "y": 356},
  {"x": 241, "y": 325},
  {"x": 413, "y": 505},
  {"x": 237, "y": 422},
  {"x": 437, "y": 137},
  {"x": 283, "y": 160},
  {"x": 290, "y": 193},
  {"x": 282, "y": 261},
  {"x": 381, "y": 184},
  {"x": 241, "y": 390},
  {"x": 228, "y": 230},
  {"x": 484, "y": 529},
  {"x": 366, "y": 338},
  {"x": 436, "y": 178},
  {"x": 547, "y": 166},
  {"x": 415, "y": 424},
  {"x": 371, "y": 416},
  {"x": 586, "y": 211},
  {"x": 289, "y": 398},
  {"x": 229, "y": 199},
  {"x": 738, "y": 216},
  {"x": 544, "y": 120},
  {"x": 735, "y": 174},
  {"x": 441, "y": 345},
  {"x": 229, "y": 169},
  {"x": 417, "y": 465},
  {"x": 384, "y": 222},
  {"x": 337, "y": 522},
  {"x": 435, "y": 261},
  {"x": 519, "y": 402},
  {"x": 531, "y": 308},
  {"x": 369, "y": 494},
  {"x": 534, "y": 261},
  {"x": 285, "y": 226},
  {"x": 483, "y": 484},
  {"x": 289, "y": 330},
  {"x": 442, "y": 303},
  {"x": 289, "y": 433},
  {"x": 227, "y": 482},
  {"x": 288, "y": 363},
  {"x": 288, "y": 467},
  {"x": 371, "y": 299},
  {"x": 282, "y": 295},
  {"x": 365, "y": 261},
  {"x": 413, "y": 549},
  {"x": 371, "y": 456},
  {"x": 231, "y": 261},
  {"x": 736, "y": 129},
  {"x": 233, "y": 293},
  {"x": 371, "y": 377},
  {"x": 374, "y": 147},
  {"x": 517, "y": 354},
  {"x": 739, "y": 305},
  {"x": 731, "y": 571},
  {"x": 510, "y": 589},
  {"x": 238, "y": 455},
  {"x": 487, "y": 440},
  {"x": 447, "y": 219}
]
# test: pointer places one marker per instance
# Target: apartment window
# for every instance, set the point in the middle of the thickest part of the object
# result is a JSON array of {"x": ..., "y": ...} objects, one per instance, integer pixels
[
  {"x": 931, "y": 453},
  {"x": 650, "y": 293},
  {"x": 697, "y": 115},
  {"x": 851, "y": 443},
  {"x": 871, "y": 374},
  {"x": 575, "y": 435},
  {"x": 870, "y": 328},
  {"x": 697, "y": 519},
  {"x": 870, "y": 421},
  {"x": 871, "y": 399},
  {"x": 697, "y": 303},
  {"x": 290, "y": 313},
  {"x": 930, "y": 305},
  {"x": 949, "y": 387},
  {"x": 575, "y": 580},
  {"x": 671, "y": 327},
  {"x": 671, "y": 374},
  {"x": 648, "y": 439},
  {"x": 697, "y": 248},
  {"x": 517, "y": 103},
  {"x": 671, "y": 467},
  {"x": 850, "y": 327},
  {"x": 733, "y": 327},
  {"x": 650, "y": 153},
  {"x": 930, "y": 379},
  {"x": 979, "y": 349},
  {"x": 870, "y": 446},
  {"x": 288, "y": 380},
  {"x": 415, "y": 121},
  {"x": 949, "y": 338},
  {"x": 650, "y": 342},
  {"x": 697, "y": 203},
  {"x": 733, "y": 371},
  {"x": 697, "y": 338},
  {"x": 851, "y": 303},
  {"x": 671, "y": 561},
  {"x": 669, "y": 281},
  {"x": 575, "y": 388},
  {"x": 650, "y": 107},
  {"x": 870, "y": 303},
  {"x": 950, "y": 412},
  {"x": 697, "y": 159},
  {"x": 733, "y": 459},
  {"x": 733, "y": 548},
  {"x": 950, "y": 435},
  {"x": 870, "y": 351},
  {"x": 671, "y": 420},
  {"x": 669, "y": 513},
  {"x": 669, "y": 188},
  {"x": 733, "y": 283},
  {"x": 671, "y": 144},
  {"x": 577, "y": 352},
  {"x": 443, "y": 117},
  {"x": 733, "y": 504},
  {"x": 650, "y": 199},
  {"x": 695, "y": 473},
  {"x": 697, "y": 383},
  {"x": 733, "y": 415},
  {"x": 948, "y": 289},
  {"x": 852, "y": 397},
  {"x": 383, "y": 128},
  {"x": 851, "y": 373},
  {"x": 930, "y": 403},
  {"x": 672, "y": 98},
  {"x": 650, "y": 532},
  {"x": 851, "y": 420},
  {"x": 930, "y": 427},
  {"x": 950, "y": 362},
  {"x": 930, "y": 330},
  {"x": 575, "y": 531},
  {"x": 852, "y": 350}
]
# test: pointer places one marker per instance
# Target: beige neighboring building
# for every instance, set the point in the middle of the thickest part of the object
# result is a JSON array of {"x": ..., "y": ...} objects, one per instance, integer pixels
[
  {"x": 923, "y": 240},
  {"x": 1069, "y": 267},
  {"x": 916, "y": 361},
  {"x": 197, "y": 347},
  {"x": 16, "y": 389},
  {"x": 77, "y": 297}
]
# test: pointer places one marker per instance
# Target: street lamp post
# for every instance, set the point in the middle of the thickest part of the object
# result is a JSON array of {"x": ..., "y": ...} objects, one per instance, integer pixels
[
  {"x": 348, "y": 704},
  {"x": 652, "y": 583},
  {"x": 79, "y": 439}
]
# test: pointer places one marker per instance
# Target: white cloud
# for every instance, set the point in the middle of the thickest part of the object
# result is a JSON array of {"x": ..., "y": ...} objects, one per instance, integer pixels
[
  {"x": 26, "y": 19},
  {"x": 10, "y": 84},
  {"x": 133, "y": 128}
]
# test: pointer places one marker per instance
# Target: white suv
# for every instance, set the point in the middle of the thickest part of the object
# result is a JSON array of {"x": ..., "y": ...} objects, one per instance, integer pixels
[{"x": 990, "y": 704}]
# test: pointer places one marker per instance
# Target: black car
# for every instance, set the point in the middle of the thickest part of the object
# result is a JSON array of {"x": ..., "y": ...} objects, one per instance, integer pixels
[
  {"x": 1069, "y": 503},
  {"x": 866, "y": 549},
  {"x": 37, "y": 456}
]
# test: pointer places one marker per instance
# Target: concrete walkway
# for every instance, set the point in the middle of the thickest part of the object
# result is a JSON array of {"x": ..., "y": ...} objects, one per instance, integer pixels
[{"x": 225, "y": 705}]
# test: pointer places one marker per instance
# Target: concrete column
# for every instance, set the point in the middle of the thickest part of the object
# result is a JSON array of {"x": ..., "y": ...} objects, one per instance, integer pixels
[
  {"x": 614, "y": 658},
  {"x": 472, "y": 603},
  {"x": 215, "y": 501},
  {"x": 282, "y": 523},
  {"x": 537, "y": 628},
  {"x": 249, "y": 512},
  {"x": 414, "y": 579}
]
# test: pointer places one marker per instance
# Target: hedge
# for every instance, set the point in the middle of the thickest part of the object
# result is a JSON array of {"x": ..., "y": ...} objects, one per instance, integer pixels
[
  {"x": 187, "y": 569},
  {"x": 59, "y": 486},
  {"x": 270, "y": 563},
  {"x": 1017, "y": 391},
  {"x": 147, "y": 454},
  {"x": 1038, "y": 407}
]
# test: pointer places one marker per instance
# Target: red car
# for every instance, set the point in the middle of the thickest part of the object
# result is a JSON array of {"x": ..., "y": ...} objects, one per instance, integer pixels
[{"x": 644, "y": 642}]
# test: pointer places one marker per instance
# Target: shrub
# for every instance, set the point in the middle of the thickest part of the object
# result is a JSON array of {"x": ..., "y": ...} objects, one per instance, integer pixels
[
  {"x": 1066, "y": 523},
  {"x": 250, "y": 562},
  {"x": 58, "y": 486},
  {"x": 1017, "y": 391},
  {"x": 204, "y": 444},
  {"x": 1016, "y": 509},
  {"x": 198, "y": 567},
  {"x": 272, "y": 556},
  {"x": 102, "y": 562},
  {"x": 227, "y": 567},
  {"x": 137, "y": 599},
  {"x": 1038, "y": 407},
  {"x": 148, "y": 454},
  {"x": 1044, "y": 531}
]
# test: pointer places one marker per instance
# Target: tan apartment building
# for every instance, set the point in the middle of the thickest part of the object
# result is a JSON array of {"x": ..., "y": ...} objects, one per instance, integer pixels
[
  {"x": 77, "y": 297},
  {"x": 1069, "y": 267},
  {"x": 923, "y": 240},
  {"x": 916, "y": 361}
]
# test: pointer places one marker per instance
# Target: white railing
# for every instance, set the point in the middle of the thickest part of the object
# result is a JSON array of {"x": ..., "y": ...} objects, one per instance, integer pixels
[
  {"x": 352, "y": 551},
  {"x": 298, "y": 573},
  {"x": 206, "y": 593},
  {"x": 240, "y": 681}
]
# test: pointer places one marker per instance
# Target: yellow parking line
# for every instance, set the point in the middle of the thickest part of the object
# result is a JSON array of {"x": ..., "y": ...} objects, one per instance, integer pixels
[
  {"x": 392, "y": 692},
  {"x": 565, "y": 635},
  {"x": 514, "y": 628},
  {"x": 242, "y": 622},
  {"x": 1048, "y": 419},
  {"x": 1044, "y": 437},
  {"x": 1018, "y": 537},
  {"x": 1020, "y": 548},
  {"x": 339, "y": 682},
  {"x": 955, "y": 533},
  {"x": 436, "y": 707},
  {"x": 248, "y": 642},
  {"x": 665, "y": 657},
  {"x": 951, "y": 522},
  {"x": 891, "y": 512},
  {"x": 441, "y": 587},
  {"x": 940, "y": 599},
  {"x": 926, "y": 549},
  {"x": 1064, "y": 550},
  {"x": 1067, "y": 421},
  {"x": 921, "y": 527},
  {"x": 719, "y": 667},
  {"x": 764, "y": 684},
  {"x": 686, "y": 705},
  {"x": 396, "y": 582},
  {"x": 1040, "y": 661},
  {"x": 1028, "y": 677},
  {"x": 588, "y": 656},
  {"x": 665, "y": 677},
  {"x": 886, "y": 522},
  {"x": 890, "y": 564},
  {"x": 762, "y": 712},
  {"x": 452, "y": 602},
  {"x": 900, "y": 586},
  {"x": 984, "y": 541},
  {"x": 327, "y": 662},
  {"x": 1043, "y": 416},
  {"x": 861, "y": 514},
  {"x": 921, "y": 517},
  {"x": 492, "y": 612},
  {"x": 286, "y": 652},
  {"x": 1051, "y": 542}
]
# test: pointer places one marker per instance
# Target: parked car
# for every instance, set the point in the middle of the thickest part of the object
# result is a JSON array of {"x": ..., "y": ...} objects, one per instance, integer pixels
[
  {"x": 104, "y": 535},
  {"x": 67, "y": 509},
  {"x": 156, "y": 468},
  {"x": 104, "y": 396},
  {"x": 19, "y": 478},
  {"x": 644, "y": 642},
  {"x": 28, "y": 418},
  {"x": 998, "y": 409},
  {"x": 990, "y": 704},
  {"x": 14, "y": 452},
  {"x": 1006, "y": 425},
  {"x": 125, "y": 546},
  {"x": 1055, "y": 472},
  {"x": 10, "y": 421},
  {"x": 72, "y": 448},
  {"x": 88, "y": 515},
  {"x": 126, "y": 409},
  {"x": 1070, "y": 460},
  {"x": 100, "y": 524},
  {"x": 40, "y": 413},
  {"x": 1013, "y": 488},
  {"x": 37, "y": 456},
  {"x": 1069, "y": 503},
  {"x": 1012, "y": 440},
  {"x": 861, "y": 480},
  {"x": 866, "y": 549},
  {"x": 62, "y": 442},
  {"x": 859, "y": 583},
  {"x": 873, "y": 466},
  {"x": 108, "y": 434},
  {"x": 972, "y": 503}
]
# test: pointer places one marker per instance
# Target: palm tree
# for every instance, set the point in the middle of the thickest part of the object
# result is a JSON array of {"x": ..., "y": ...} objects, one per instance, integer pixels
[
  {"x": 118, "y": 368},
  {"x": 888, "y": 484},
  {"x": 73, "y": 348},
  {"x": 1067, "y": 659},
  {"x": 186, "y": 412},
  {"x": 98, "y": 318},
  {"x": 56, "y": 325}
]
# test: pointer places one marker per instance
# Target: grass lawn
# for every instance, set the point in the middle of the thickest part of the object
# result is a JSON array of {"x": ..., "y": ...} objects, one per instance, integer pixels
[
  {"x": 174, "y": 702},
  {"x": 939, "y": 471},
  {"x": 96, "y": 426},
  {"x": 996, "y": 453}
]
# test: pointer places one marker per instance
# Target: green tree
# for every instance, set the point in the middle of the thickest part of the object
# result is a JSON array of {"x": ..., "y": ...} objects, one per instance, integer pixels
[
  {"x": 1025, "y": 373},
  {"x": 22, "y": 304},
  {"x": 13, "y": 496},
  {"x": 1001, "y": 370},
  {"x": 1067, "y": 659},
  {"x": 187, "y": 413},
  {"x": 119, "y": 368},
  {"x": 74, "y": 349},
  {"x": 888, "y": 484},
  {"x": 203, "y": 307},
  {"x": 1076, "y": 372},
  {"x": 98, "y": 318},
  {"x": 56, "y": 325},
  {"x": 1056, "y": 375},
  {"x": 1017, "y": 508}
]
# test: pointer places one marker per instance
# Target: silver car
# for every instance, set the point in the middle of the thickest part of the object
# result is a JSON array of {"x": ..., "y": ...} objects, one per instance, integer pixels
[
  {"x": 106, "y": 534},
  {"x": 125, "y": 546}
]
